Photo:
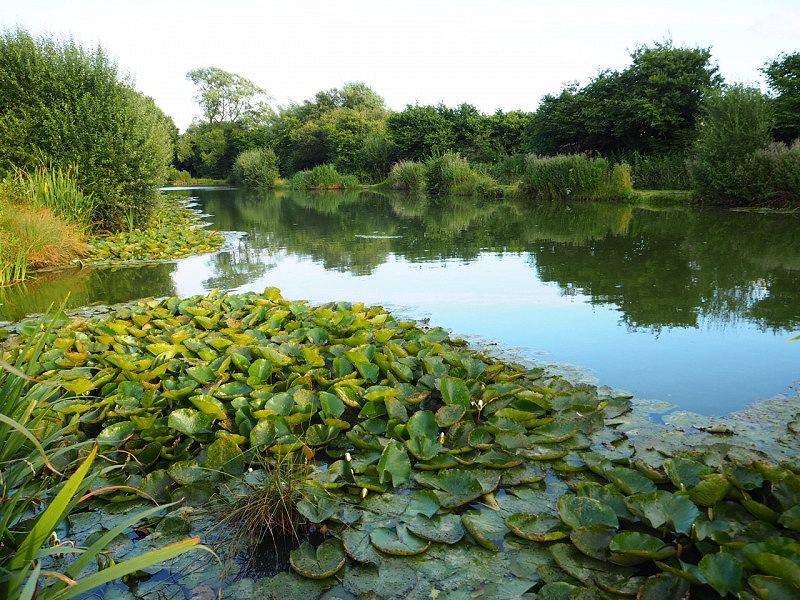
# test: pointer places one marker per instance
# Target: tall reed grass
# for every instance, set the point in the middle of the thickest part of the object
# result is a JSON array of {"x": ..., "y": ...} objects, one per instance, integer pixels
[
  {"x": 575, "y": 176},
  {"x": 450, "y": 174},
  {"x": 407, "y": 175},
  {"x": 58, "y": 190},
  {"x": 322, "y": 177},
  {"x": 665, "y": 172}
]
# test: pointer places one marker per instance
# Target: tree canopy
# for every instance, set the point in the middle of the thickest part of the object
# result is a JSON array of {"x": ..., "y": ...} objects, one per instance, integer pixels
[{"x": 783, "y": 78}]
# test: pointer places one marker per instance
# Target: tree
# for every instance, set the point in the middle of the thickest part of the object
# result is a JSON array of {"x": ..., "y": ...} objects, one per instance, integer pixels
[
  {"x": 420, "y": 132},
  {"x": 783, "y": 78},
  {"x": 70, "y": 107},
  {"x": 225, "y": 96},
  {"x": 650, "y": 107}
]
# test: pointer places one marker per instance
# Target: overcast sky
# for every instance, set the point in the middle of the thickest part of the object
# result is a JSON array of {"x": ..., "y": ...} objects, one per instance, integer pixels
[{"x": 493, "y": 54}]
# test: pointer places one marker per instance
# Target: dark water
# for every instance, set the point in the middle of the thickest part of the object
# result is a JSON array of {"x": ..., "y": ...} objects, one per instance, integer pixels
[{"x": 689, "y": 306}]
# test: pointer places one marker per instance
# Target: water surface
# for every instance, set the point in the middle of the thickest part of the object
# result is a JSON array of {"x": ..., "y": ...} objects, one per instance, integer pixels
[{"x": 688, "y": 306}]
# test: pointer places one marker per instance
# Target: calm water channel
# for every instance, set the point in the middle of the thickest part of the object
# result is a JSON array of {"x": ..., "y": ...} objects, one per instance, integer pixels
[{"x": 686, "y": 306}]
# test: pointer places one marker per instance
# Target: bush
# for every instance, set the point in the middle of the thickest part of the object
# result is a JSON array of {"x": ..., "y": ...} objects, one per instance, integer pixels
[
  {"x": 736, "y": 123},
  {"x": 407, "y": 175},
  {"x": 660, "y": 172},
  {"x": 71, "y": 107},
  {"x": 771, "y": 176},
  {"x": 443, "y": 173},
  {"x": 322, "y": 177},
  {"x": 257, "y": 167},
  {"x": 575, "y": 176}
]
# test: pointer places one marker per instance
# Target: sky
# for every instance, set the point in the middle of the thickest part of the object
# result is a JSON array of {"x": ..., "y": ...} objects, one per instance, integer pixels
[{"x": 493, "y": 54}]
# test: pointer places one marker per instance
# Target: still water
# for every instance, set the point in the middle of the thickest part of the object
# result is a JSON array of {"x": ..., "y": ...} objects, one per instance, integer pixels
[{"x": 692, "y": 307}]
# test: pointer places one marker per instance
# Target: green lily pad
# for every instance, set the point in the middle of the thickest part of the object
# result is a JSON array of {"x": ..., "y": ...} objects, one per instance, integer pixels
[
  {"x": 394, "y": 464},
  {"x": 447, "y": 529},
  {"x": 722, "y": 571},
  {"x": 525, "y": 473},
  {"x": 630, "y": 481},
  {"x": 593, "y": 541},
  {"x": 450, "y": 414},
  {"x": 454, "y": 487},
  {"x": 664, "y": 586},
  {"x": 638, "y": 547},
  {"x": 398, "y": 542},
  {"x": 580, "y": 511},
  {"x": 486, "y": 526},
  {"x": 190, "y": 422},
  {"x": 455, "y": 391},
  {"x": 319, "y": 435},
  {"x": 116, "y": 434},
  {"x": 318, "y": 563},
  {"x": 771, "y": 587},
  {"x": 661, "y": 507},
  {"x": 710, "y": 490},
  {"x": 541, "y": 527}
]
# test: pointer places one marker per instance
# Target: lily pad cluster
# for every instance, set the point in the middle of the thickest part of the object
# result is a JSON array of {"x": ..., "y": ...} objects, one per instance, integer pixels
[
  {"x": 419, "y": 450},
  {"x": 176, "y": 231}
]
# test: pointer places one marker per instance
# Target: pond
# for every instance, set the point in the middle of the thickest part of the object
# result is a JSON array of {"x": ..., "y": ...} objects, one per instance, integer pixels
[{"x": 692, "y": 307}]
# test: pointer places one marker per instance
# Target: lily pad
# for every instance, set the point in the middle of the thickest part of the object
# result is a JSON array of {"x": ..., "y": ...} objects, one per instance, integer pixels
[
  {"x": 580, "y": 511},
  {"x": 637, "y": 547},
  {"x": 318, "y": 563},
  {"x": 486, "y": 526},
  {"x": 447, "y": 529},
  {"x": 394, "y": 464},
  {"x": 398, "y": 542},
  {"x": 542, "y": 527}
]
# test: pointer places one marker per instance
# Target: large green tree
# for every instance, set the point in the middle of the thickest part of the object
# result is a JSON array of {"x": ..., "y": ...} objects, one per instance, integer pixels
[
  {"x": 651, "y": 106},
  {"x": 783, "y": 77},
  {"x": 67, "y": 106}
]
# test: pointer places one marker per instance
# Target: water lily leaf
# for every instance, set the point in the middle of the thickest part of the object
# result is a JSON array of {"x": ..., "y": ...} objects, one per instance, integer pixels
[
  {"x": 202, "y": 374},
  {"x": 543, "y": 452},
  {"x": 347, "y": 394},
  {"x": 226, "y": 456},
  {"x": 319, "y": 509},
  {"x": 116, "y": 434},
  {"x": 319, "y": 435},
  {"x": 638, "y": 547},
  {"x": 588, "y": 570},
  {"x": 722, "y": 571},
  {"x": 685, "y": 473},
  {"x": 661, "y": 507},
  {"x": 450, "y": 414},
  {"x": 497, "y": 459},
  {"x": 210, "y": 406},
  {"x": 286, "y": 444},
  {"x": 791, "y": 518},
  {"x": 398, "y": 542},
  {"x": 710, "y": 490},
  {"x": 630, "y": 481},
  {"x": 232, "y": 389},
  {"x": 80, "y": 386},
  {"x": 437, "y": 463},
  {"x": 422, "y": 502},
  {"x": 593, "y": 541},
  {"x": 279, "y": 404},
  {"x": 190, "y": 422},
  {"x": 188, "y": 472},
  {"x": 777, "y": 566},
  {"x": 447, "y": 529},
  {"x": 423, "y": 424},
  {"x": 664, "y": 586},
  {"x": 608, "y": 495},
  {"x": 259, "y": 371},
  {"x": 394, "y": 464},
  {"x": 580, "y": 511},
  {"x": 771, "y": 587},
  {"x": 320, "y": 562},
  {"x": 542, "y": 527},
  {"x": 455, "y": 391},
  {"x": 357, "y": 544},
  {"x": 521, "y": 474},
  {"x": 481, "y": 437},
  {"x": 332, "y": 405},
  {"x": 486, "y": 526},
  {"x": 557, "y": 431}
]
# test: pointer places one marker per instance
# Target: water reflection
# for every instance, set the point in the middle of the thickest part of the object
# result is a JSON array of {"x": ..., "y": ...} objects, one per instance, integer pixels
[{"x": 690, "y": 306}]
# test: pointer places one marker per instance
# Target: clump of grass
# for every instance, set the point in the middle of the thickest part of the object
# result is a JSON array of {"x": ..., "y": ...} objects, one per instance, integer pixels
[
  {"x": 322, "y": 177},
  {"x": 575, "y": 176},
  {"x": 450, "y": 174},
  {"x": 264, "y": 507},
  {"x": 57, "y": 190},
  {"x": 407, "y": 175},
  {"x": 660, "y": 172},
  {"x": 36, "y": 233}
]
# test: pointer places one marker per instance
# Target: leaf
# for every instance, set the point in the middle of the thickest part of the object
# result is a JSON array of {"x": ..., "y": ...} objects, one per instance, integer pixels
[
  {"x": 630, "y": 481},
  {"x": 664, "y": 586},
  {"x": 454, "y": 391},
  {"x": 485, "y": 526},
  {"x": 114, "y": 435},
  {"x": 398, "y": 542},
  {"x": 319, "y": 435},
  {"x": 541, "y": 527},
  {"x": 580, "y": 511},
  {"x": 394, "y": 464},
  {"x": 318, "y": 563},
  {"x": 641, "y": 546},
  {"x": 190, "y": 422},
  {"x": 722, "y": 571},
  {"x": 450, "y": 414},
  {"x": 446, "y": 529}
]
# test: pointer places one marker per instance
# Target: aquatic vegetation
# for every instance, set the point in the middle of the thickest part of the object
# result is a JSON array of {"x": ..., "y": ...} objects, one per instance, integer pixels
[
  {"x": 33, "y": 561},
  {"x": 407, "y": 175},
  {"x": 433, "y": 467},
  {"x": 322, "y": 177},
  {"x": 175, "y": 231},
  {"x": 575, "y": 176}
]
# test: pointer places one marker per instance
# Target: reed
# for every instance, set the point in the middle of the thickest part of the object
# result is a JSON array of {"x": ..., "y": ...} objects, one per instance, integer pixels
[
  {"x": 575, "y": 176},
  {"x": 322, "y": 177},
  {"x": 58, "y": 190},
  {"x": 407, "y": 175}
]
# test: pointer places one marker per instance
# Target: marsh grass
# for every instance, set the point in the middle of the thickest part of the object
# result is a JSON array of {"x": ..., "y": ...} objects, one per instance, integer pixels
[
  {"x": 407, "y": 175},
  {"x": 665, "y": 172},
  {"x": 575, "y": 176},
  {"x": 450, "y": 174},
  {"x": 44, "y": 239},
  {"x": 57, "y": 190},
  {"x": 323, "y": 177},
  {"x": 262, "y": 508}
]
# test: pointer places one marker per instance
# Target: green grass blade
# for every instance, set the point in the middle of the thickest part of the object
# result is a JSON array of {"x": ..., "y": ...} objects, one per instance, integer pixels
[
  {"x": 29, "y": 589},
  {"x": 100, "y": 544},
  {"x": 129, "y": 566},
  {"x": 50, "y": 518},
  {"x": 31, "y": 438}
]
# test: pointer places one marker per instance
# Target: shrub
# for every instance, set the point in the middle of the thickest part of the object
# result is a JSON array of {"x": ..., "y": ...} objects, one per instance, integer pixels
[
  {"x": 771, "y": 176},
  {"x": 575, "y": 176},
  {"x": 72, "y": 107},
  {"x": 322, "y": 177},
  {"x": 660, "y": 172},
  {"x": 257, "y": 167},
  {"x": 443, "y": 173},
  {"x": 376, "y": 157},
  {"x": 407, "y": 175},
  {"x": 735, "y": 124}
]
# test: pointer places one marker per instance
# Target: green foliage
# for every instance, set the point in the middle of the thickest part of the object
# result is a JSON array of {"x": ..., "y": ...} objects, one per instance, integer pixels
[
  {"x": 736, "y": 123},
  {"x": 659, "y": 172},
  {"x": 322, "y": 177},
  {"x": 33, "y": 561},
  {"x": 376, "y": 157},
  {"x": 407, "y": 175},
  {"x": 783, "y": 78},
  {"x": 449, "y": 174},
  {"x": 224, "y": 96},
  {"x": 57, "y": 190},
  {"x": 651, "y": 106},
  {"x": 575, "y": 176},
  {"x": 420, "y": 132},
  {"x": 257, "y": 167},
  {"x": 771, "y": 176},
  {"x": 72, "y": 108}
]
